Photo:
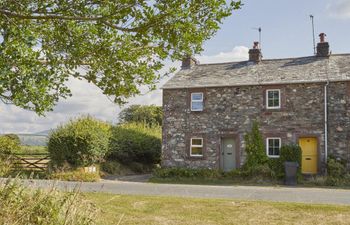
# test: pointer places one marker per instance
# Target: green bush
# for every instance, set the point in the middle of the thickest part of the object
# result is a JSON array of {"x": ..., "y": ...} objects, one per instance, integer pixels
[
  {"x": 291, "y": 153},
  {"x": 21, "y": 205},
  {"x": 257, "y": 174},
  {"x": 135, "y": 143},
  {"x": 255, "y": 148},
  {"x": 111, "y": 167},
  {"x": 80, "y": 142},
  {"x": 335, "y": 168},
  {"x": 261, "y": 172},
  {"x": 14, "y": 137},
  {"x": 8, "y": 146},
  {"x": 175, "y": 172},
  {"x": 288, "y": 153}
]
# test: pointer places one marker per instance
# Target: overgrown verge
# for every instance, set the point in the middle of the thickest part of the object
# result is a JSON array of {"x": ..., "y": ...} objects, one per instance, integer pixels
[
  {"x": 337, "y": 174},
  {"x": 262, "y": 175},
  {"x": 20, "y": 205},
  {"x": 8, "y": 146}
]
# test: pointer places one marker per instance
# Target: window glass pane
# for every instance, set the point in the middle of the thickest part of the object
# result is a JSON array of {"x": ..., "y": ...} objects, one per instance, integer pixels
[
  {"x": 270, "y": 151},
  {"x": 276, "y": 102},
  {"x": 271, "y": 103},
  {"x": 270, "y": 94},
  {"x": 197, "y": 96},
  {"x": 197, "y": 106},
  {"x": 196, "y": 141},
  {"x": 277, "y": 151},
  {"x": 277, "y": 143},
  {"x": 275, "y": 94},
  {"x": 196, "y": 151}
]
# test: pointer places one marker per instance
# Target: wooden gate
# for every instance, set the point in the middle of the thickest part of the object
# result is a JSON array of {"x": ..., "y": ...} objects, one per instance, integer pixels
[{"x": 31, "y": 162}]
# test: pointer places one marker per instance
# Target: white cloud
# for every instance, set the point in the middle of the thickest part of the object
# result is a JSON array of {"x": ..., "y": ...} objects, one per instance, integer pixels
[
  {"x": 339, "y": 9},
  {"x": 238, "y": 53},
  {"x": 88, "y": 99}
]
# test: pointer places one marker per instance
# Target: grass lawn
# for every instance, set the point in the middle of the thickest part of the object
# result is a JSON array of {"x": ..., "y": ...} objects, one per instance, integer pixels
[{"x": 127, "y": 209}]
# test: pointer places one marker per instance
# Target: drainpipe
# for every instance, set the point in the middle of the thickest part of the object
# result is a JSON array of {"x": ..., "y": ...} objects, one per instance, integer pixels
[{"x": 326, "y": 123}]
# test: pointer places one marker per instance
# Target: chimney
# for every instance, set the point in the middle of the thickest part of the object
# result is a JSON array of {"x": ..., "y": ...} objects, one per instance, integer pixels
[
  {"x": 188, "y": 62},
  {"x": 255, "y": 53},
  {"x": 322, "y": 46}
]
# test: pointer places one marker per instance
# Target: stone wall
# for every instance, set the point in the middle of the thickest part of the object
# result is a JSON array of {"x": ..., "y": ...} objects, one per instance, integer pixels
[
  {"x": 230, "y": 111},
  {"x": 339, "y": 120}
]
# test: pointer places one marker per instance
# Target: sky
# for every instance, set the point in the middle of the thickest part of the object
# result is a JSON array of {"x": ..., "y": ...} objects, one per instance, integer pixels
[{"x": 286, "y": 32}]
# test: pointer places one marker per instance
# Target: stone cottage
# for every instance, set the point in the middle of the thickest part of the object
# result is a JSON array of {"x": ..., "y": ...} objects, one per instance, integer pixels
[{"x": 208, "y": 108}]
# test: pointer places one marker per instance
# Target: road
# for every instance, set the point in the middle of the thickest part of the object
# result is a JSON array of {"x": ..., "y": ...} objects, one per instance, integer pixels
[{"x": 281, "y": 194}]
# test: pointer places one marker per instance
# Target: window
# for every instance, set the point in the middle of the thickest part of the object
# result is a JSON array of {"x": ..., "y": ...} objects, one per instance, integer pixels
[
  {"x": 197, "y": 101},
  {"x": 273, "y": 146},
  {"x": 196, "y": 147},
  {"x": 273, "y": 99}
]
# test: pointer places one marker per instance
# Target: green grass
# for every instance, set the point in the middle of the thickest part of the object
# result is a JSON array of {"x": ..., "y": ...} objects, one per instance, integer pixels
[
  {"x": 127, "y": 209},
  {"x": 25, "y": 149}
]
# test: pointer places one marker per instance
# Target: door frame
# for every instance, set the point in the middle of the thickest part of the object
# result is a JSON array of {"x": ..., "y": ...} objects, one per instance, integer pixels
[
  {"x": 319, "y": 158},
  {"x": 235, "y": 137}
]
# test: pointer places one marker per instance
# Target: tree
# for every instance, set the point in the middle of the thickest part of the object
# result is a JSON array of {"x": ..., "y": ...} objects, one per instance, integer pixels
[
  {"x": 14, "y": 137},
  {"x": 116, "y": 45},
  {"x": 255, "y": 148},
  {"x": 148, "y": 114}
]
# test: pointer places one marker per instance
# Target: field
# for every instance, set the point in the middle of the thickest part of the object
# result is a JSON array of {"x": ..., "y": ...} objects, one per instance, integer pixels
[
  {"x": 127, "y": 209},
  {"x": 25, "y": 149}
]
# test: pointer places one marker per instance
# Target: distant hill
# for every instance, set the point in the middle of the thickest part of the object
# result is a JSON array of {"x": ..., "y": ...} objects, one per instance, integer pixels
[
  {"x": 33, "y": 139},
  {"x": 44, "y": 132}
]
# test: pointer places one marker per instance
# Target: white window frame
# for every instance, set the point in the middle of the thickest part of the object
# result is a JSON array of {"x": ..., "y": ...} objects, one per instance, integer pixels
[
  {"x": 202, "y": 100},
  {"x": 279, "y": 99},
  {"x": 196, "y": 146},
  {"x": 267, "y": 147}
]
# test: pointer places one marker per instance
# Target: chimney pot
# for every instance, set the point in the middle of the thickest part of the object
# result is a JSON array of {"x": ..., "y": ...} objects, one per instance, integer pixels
[
  {"x": 322, "y": 46},
  {"x": 256, "y": 45},
  {"x": 322, "y": 37},
  {"x": 188, "y": 62},
  {"x": 255, "y": 53}
]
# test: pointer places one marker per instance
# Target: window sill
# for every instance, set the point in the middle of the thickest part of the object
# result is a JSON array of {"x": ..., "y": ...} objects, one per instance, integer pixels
[
  {"x": 196, "y": 157},
  {"x": 273, "y": 108}
]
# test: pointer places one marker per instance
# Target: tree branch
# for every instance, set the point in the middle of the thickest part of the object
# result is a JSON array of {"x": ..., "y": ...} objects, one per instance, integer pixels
[
  {"x": 48, "y": 16},
  {"x": 61, "y": 17}
]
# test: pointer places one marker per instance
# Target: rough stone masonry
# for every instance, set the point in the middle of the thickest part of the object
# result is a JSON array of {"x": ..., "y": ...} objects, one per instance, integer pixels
[{"x": 234, "y": 95}]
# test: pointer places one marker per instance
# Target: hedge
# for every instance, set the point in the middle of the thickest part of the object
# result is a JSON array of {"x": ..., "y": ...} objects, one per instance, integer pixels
[
  {"x": 135, "y": 142},
  {"x": 80, "y": 142},
  {"x": 8, "y": 146}
]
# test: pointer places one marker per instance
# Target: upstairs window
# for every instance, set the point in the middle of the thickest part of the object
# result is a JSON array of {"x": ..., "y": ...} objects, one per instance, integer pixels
[
  {"x": 273, "y": 99},
  {"x": 197, "y": 101},
  {"x": 196, "y": 147},
  {"x": 273, "y": 146}
]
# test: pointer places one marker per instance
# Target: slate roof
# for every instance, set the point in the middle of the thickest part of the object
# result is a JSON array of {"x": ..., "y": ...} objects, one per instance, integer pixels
[{"x": 275, "y": 71}]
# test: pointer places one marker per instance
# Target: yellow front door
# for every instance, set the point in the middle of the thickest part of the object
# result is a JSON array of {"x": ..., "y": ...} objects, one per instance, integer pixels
[{"x": 309, "y": 155}]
